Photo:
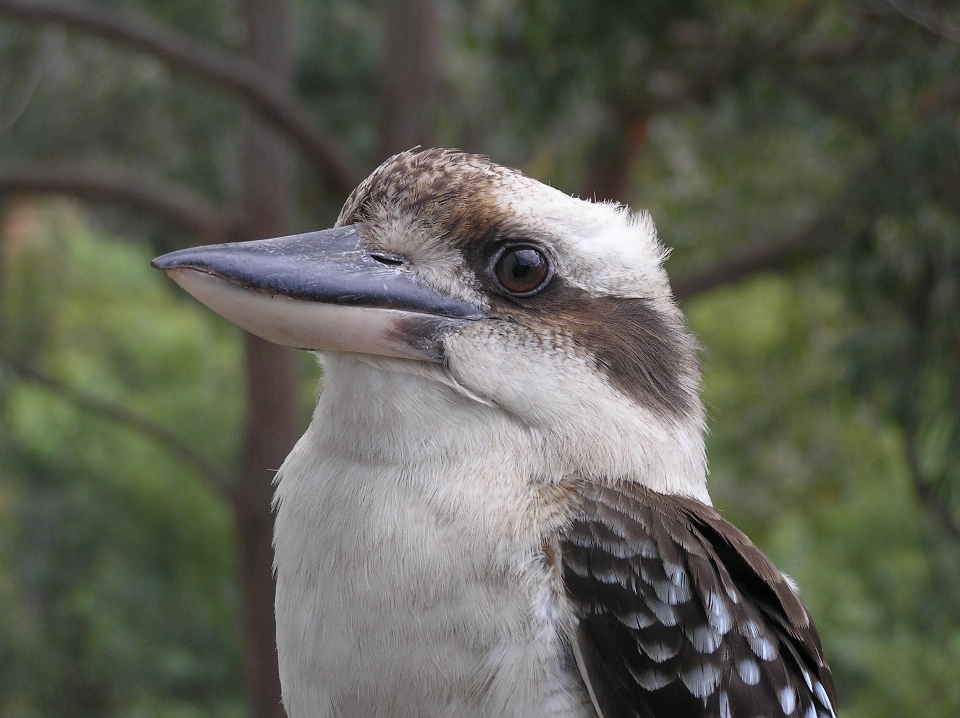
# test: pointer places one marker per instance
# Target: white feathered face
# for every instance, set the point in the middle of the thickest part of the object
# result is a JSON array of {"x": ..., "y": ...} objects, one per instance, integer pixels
[{"x": 543, "y": 305}]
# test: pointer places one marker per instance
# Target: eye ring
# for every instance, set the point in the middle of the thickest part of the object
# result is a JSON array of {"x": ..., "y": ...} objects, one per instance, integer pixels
[{"x": 521, "y": 270}]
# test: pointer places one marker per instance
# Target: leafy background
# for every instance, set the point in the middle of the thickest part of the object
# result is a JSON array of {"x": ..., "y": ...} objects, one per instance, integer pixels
[{"x": 801, "y": 159}]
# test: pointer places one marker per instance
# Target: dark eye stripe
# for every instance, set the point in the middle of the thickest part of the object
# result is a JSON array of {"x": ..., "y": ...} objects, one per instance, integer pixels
[{"x": 642, "y": 352}]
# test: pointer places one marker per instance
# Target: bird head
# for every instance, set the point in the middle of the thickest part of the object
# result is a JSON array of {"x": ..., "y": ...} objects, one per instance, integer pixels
[{"x": 551, "y": 310}]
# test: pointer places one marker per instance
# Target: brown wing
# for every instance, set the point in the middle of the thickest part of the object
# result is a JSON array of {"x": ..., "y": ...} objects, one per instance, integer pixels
[{"x": 680, "y": 615}]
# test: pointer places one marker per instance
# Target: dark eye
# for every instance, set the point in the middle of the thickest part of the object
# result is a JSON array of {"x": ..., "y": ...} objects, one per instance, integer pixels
[{"x": 522, "y": 270}]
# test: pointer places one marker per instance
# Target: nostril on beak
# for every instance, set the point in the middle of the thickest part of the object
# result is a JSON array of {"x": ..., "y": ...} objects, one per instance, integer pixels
[{"x": 388, "y": 258}]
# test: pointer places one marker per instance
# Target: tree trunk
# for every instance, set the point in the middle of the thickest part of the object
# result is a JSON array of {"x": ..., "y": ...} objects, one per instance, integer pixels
[
  {"x": 618, "y": 146},
  {"x": 408, "y": 75},
  {"x": 272, "y": 419}
]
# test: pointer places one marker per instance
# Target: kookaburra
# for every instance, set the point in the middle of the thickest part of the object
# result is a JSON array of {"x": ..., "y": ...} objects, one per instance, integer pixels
[{"x": 500, "y": 507}]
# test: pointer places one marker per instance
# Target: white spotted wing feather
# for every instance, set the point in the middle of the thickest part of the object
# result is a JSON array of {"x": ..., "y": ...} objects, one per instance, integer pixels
[{"x": 680, "y": 615}]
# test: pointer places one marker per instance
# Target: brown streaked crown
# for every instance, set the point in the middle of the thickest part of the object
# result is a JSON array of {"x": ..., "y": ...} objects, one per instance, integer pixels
[{"x": 452, "y": 190}]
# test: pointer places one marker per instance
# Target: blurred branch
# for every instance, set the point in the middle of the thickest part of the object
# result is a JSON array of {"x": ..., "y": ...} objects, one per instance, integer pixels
[
  {"x": 625, "y": 137},
  {"x": 177, "y": 205},
  {"x": 205, "y": 61},
  {"x": 770, "y": 255},
  {"x": 830, "y": 53},
  {"x": 830, "y": 102},
  {"x": 705, "y": 83},
  {"x": 761, "y": 256},
  {"x": 127, "y": 418},
  {"x": 918, "y": 314},
  {"x": 925, "y": 14},
  {"x": 926, "y": 492}
]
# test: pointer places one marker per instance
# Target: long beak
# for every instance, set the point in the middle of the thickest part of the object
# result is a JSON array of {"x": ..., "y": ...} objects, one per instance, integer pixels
[{"x": 322, "y": 290}]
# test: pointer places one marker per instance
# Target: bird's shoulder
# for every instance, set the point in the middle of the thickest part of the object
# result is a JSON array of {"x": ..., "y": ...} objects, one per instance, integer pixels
[{"x": 680, "y": 614}]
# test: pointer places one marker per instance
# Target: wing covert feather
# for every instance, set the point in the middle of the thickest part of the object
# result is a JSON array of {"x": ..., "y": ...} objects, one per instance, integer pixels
[{"x": 680, "y": 615}]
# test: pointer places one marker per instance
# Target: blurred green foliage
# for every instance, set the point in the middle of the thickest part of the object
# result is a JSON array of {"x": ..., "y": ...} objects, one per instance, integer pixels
[
  {"x": 117, "y": 572},
  {"x": 832, "y": 382}
]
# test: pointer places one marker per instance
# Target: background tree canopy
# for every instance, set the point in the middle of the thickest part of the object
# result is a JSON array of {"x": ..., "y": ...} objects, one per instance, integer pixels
[{"x": 801, "y": 159}]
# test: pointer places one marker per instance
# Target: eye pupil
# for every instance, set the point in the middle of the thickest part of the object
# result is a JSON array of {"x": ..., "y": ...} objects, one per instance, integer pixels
[
  {"x": 523, "y": 263},
  {"x": 522, "y": 270}
]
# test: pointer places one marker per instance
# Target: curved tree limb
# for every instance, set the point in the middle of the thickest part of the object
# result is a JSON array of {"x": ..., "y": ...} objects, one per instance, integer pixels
[
  {"x": 177, "y": 205},
  {"x": 908, "y": 414},
  {"x": 625, "y": 135},
  {"x": 126, "y": 418},
  {"x": 204, "y": 61},
  {"x": 760, "y": 256},
  {"x": 702, "y": 85},
  {"x": 816, "y": 238},
  {"x": 926, "y": 492},
  {"x": 929, "y": 16}
]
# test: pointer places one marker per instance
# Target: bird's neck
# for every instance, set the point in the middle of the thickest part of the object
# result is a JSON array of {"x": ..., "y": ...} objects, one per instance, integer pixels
[
  {"x": 378, "y": 432},
  {"x": 392, "y": 426}
]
